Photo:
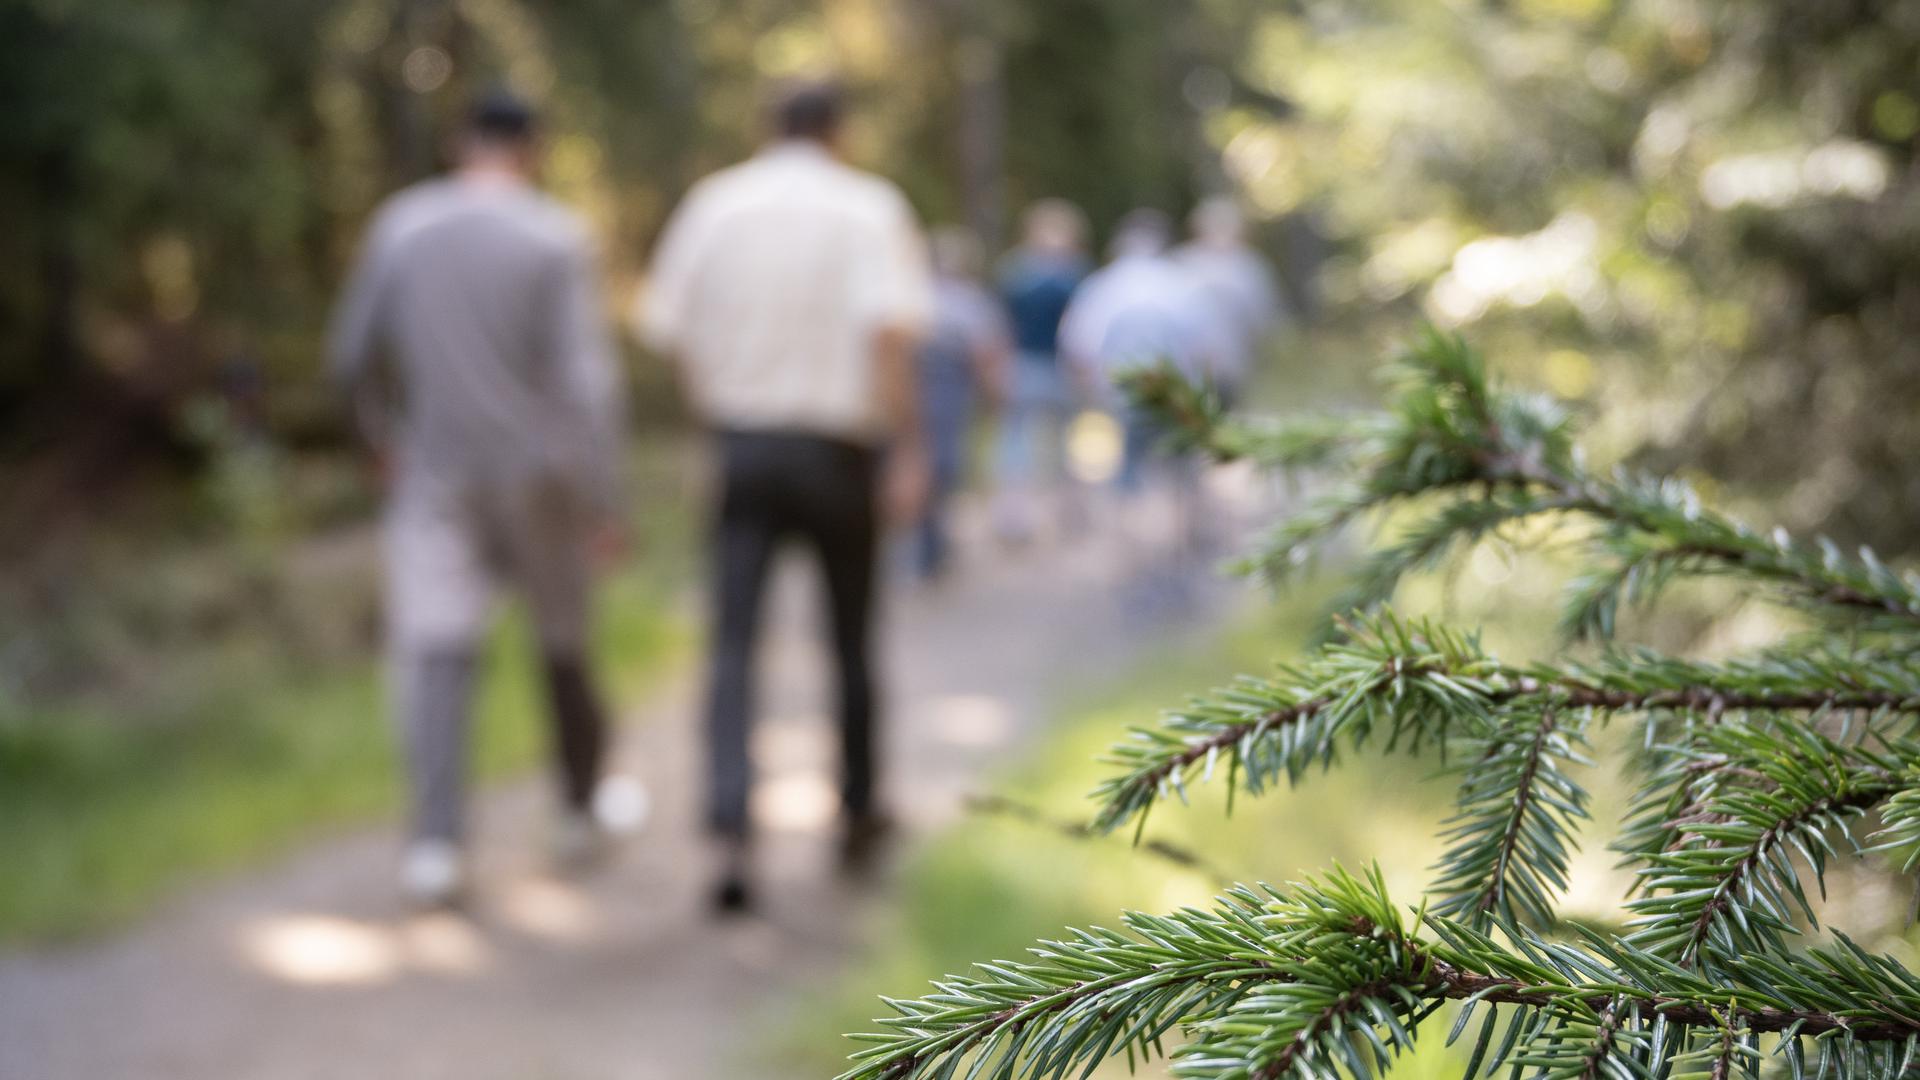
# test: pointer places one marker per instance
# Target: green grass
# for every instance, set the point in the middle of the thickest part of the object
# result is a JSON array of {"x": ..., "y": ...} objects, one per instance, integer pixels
[
  {"x": 102, "y": 818},
  {"x": 111, "y": 801}
]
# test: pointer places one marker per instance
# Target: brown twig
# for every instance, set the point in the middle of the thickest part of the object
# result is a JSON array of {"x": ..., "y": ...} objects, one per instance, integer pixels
[{"x": 1166, "y": 851}]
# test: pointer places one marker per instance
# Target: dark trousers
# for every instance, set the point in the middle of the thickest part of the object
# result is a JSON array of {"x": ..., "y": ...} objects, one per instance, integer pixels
[
  {"x": 932, "y": 536},
  {"x": 775, "y": 487}
]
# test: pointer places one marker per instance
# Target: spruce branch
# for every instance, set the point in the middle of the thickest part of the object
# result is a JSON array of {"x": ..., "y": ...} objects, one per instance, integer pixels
[
  {"x": 1519, "y": 810},
  {"x": 1329, "y": 979},
  {"x": 1280, "y": 727},
  {"x": 1900, "y": 822},
  {"x": 1757, "y": 772},
  {"x": 1080, "y": 1000},
  {"x": 1494, "y": 456},
  {"x": 1727, "y": 883},
  {"x": 1419, "y": 681}
]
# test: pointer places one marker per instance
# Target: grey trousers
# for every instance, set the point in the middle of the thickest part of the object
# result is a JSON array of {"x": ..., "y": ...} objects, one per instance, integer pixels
[
  {"x": 452, "y": 543},
  {"x": 434, "y": 703}
]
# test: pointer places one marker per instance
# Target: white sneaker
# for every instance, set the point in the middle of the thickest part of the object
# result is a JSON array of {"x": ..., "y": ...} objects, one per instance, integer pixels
[
  {"x": 582, "y": 840},
  {"x": 621, "y": 804},
  {"x": 433, "y": 873}
]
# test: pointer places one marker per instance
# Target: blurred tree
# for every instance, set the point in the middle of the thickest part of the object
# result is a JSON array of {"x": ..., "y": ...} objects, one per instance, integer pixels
[
  {"x": 153, "y": 204},
  {"x": 1712, "y": 204},
  {"x": 1666, "y": 199},
  {"x": 1093, "y": 98}
]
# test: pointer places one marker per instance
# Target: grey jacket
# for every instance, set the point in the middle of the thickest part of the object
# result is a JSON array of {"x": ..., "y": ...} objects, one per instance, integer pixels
[{"x": 471, "y": 340}]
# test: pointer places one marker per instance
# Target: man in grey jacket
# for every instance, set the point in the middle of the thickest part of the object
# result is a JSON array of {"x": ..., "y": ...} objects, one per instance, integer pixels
[{"x": 471, "y": 341}]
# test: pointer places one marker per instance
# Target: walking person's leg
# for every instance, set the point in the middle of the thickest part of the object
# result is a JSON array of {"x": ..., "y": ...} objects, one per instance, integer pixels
[
  {"x": 929, "y": 547},
  {"x": 544, "y": 529},
  {"x": 579, "y": 728},
  {"x": 433, "y": 696},
  {"x": 1067, "y": 492},
  {"x": 438, "y": 593},
  {"x": 933, "y": 536},
  {"x": 745, "y": 534},
  {"x": 1020, "y": 443},
  {"x": 844, "y": 527},
  {"x": 580, "y": 749}
]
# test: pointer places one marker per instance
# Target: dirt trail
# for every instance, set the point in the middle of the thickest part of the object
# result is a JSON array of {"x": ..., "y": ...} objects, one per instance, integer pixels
[{"x": 308, "y": 968}]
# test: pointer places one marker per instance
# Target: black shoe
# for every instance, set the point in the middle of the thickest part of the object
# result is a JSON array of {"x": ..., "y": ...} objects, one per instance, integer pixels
[
  {"x": 732, "y": 897},
  {"x": 863, "y": 839}
]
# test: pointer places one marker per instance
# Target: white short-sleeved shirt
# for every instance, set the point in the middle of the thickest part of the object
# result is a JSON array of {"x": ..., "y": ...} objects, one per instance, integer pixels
[{"x": 770, "y": 284}]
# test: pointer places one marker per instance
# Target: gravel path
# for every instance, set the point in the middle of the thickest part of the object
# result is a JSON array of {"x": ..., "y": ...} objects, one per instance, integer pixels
[{"x": 308, "y": 968}]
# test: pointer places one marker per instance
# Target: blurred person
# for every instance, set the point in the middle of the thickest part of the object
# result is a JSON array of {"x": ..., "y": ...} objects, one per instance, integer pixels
[
  {"x": 1240, "y": 287},
  {"x": 471, "y": 342},
  {"x": 1141, "y": 309},
  {"x": 963, "y": 363},
  {"x": 791, "y": 289},
  {"x": 1037, "y": 281}
]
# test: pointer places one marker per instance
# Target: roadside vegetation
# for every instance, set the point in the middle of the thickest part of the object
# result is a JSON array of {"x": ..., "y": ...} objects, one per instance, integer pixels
[{"x": 115, "y": 793}]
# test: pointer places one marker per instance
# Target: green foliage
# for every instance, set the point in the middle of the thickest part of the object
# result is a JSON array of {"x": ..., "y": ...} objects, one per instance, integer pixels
[
  {"x": 181, "y": 181},
  {"x": 1758, "y": 772},
  {"x": 1724, "y": 877},
  {"x": 1495, "y": 459},
  {"x": 1586, "y": 183},
  {"x": 1329, "y": 979},
  {"x": 1519, "y": 810},
  {"x": 103, "y": 821}
]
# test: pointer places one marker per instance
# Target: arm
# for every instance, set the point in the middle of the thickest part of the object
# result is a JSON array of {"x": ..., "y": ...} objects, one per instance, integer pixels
[
  {"x": 900, "y": 299},
  {"x": 356, "y": 350},
  {"x": 908, "y": 475},
  {"x": 898, "y": 376},
  {"x": 660, "y": 306},
  {"x": 993, "y": 353},
  {"x": 591, "y": 379}
]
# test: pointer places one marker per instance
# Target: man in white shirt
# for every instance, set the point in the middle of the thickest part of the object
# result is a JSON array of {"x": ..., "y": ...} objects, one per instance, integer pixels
[{"x": 790, "y": 288}]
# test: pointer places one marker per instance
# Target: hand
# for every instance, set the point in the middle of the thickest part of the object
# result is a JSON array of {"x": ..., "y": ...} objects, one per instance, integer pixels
[
  {"x": 380, "y": 467},
  {"x": 999, "y": 387},
  {"x": 905, "y": 483},
  {"x": 608, "y": 543}
]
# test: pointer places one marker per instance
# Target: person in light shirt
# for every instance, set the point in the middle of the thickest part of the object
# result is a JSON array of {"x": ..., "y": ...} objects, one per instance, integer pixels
[
  {"x": 963, "y": 372},
  {"x": 1139, "y": 310},
  {"x": 1238, "y": 285},
  {"x": 1037, "y": 280},
  {"x": 791, "y": 289}
]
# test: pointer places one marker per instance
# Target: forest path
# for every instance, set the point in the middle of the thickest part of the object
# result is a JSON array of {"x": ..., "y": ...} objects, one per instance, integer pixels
[{"x": 309, "y": 968}]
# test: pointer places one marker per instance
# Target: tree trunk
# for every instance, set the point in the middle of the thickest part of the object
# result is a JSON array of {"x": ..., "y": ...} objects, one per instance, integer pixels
[{"x": 982, "y": 120}]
